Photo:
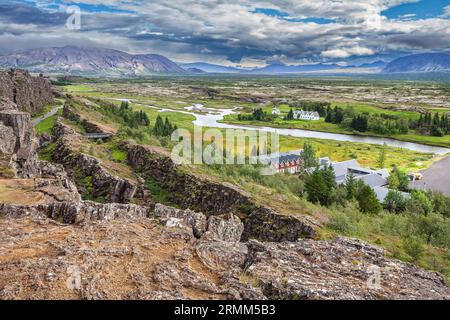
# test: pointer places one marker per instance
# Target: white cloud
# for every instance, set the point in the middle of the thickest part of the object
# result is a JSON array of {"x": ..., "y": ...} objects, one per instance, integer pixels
[{"x": 347, "y": 52}]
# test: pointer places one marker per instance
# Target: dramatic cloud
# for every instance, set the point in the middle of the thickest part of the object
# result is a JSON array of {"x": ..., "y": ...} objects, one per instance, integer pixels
[{"x": 241, "y": 32}]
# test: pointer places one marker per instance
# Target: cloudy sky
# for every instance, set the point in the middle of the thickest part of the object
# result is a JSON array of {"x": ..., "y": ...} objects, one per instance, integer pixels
[{"x": 235, "y": 32}]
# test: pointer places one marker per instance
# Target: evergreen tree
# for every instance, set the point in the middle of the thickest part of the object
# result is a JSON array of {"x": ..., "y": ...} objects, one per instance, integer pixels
[
  {"x": 259, "y": 115},
  {"x": 338, "y": 115},
  {"x": 290, "y": 115},
  {"x": 436, "y": 129},
  {"x": 351, "y": 186},
  {"x": 360, "y": 123},
  {"x": 158, "y": 129},
  {"x": 330, "y": 177},
  {"x": 382, "y": 158},
  {"x": 368, "y": 201},
  {"x": 124, "y": 105},
  {"x": 330, "y": 116},
  {"x": 308, "y": 156},
  {"x": 167, "y": 127},
  {"x": 316, "y": 187}
]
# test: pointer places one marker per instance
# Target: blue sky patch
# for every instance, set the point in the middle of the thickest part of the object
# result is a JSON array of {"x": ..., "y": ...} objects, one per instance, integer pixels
[{"x": 424, "y": 9}]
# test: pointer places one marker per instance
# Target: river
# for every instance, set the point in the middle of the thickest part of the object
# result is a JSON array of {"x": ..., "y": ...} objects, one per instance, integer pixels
[{"x": 211, "y": 117}]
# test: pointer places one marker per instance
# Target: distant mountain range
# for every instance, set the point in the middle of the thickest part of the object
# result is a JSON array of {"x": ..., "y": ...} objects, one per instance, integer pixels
[
  {"x": 210, "y": 68},
  {"x": 280, "y": 68},
  {"x": 420, "y": 63},
  {"x": 89, "y": 61}
]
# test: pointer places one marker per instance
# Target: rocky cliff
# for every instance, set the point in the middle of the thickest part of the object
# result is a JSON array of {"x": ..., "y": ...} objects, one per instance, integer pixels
[
  {"x": 18, "y": 155},
  {"x": 29, "y": 93}
]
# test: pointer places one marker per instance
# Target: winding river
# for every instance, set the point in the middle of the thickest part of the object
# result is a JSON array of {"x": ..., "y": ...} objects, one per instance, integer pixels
[{"x": 210, "y": 118}]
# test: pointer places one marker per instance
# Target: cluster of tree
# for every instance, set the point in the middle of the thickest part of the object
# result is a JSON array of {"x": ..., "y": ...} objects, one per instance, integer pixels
[
  {"x": 364, "y": 122},
  {"x": 388, "y": 125},
  {"x": 418, "y": 202},
  {"x": 436, "y": 125},
  {"x": 318, "y": 106},
  {"x": 363, "y": 194},
  {"x": 257, "y": 115},
  {"x": 126, "y": 114},
  {"x": 399, "y": 180},
  {"x": 163, "y": 128},
  {"x": 321, "y": 186},
  {"x": 133, "y": 118},
  {"x": 290, "y": 115},
  {"x": 360, "y": 123},
  {"x": 335, "y": 115}
]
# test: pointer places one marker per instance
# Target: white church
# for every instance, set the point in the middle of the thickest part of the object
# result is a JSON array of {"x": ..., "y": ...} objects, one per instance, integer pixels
[{"x": 306, "y": 115}]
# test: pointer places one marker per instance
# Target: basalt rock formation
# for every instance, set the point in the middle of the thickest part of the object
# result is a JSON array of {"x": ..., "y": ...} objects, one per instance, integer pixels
[
  {"x": 80, "y": 166},
  {"x": 18, "y": 156},
  {"x": 214, "y": 198},
  {"x": 18, "y": 143},
  {"x": 29, "y": 93}
]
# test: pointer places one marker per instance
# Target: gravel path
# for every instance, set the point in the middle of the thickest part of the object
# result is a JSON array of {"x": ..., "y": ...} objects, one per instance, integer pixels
[
  {"x": 436, "y": 178},
  {"x": 47, "y": 115}
]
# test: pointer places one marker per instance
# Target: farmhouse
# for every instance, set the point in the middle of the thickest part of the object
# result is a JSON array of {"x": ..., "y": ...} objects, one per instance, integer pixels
[
  {"x": 306, "y": 115},
  {"x": 289, "y": 162},
  {"x": 276, "y": 111}
]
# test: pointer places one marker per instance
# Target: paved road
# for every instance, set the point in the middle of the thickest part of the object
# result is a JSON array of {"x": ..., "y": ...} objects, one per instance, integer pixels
[
  {"x": 47, "y": 115},
  {"x": 436, "y": 178}
]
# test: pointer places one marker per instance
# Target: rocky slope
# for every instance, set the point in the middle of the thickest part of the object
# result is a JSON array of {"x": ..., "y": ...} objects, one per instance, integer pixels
[
  {"x": 89, "y": 61},
  {"x": 29, "y": 93},
  {"x": 127, "y": 252}
]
